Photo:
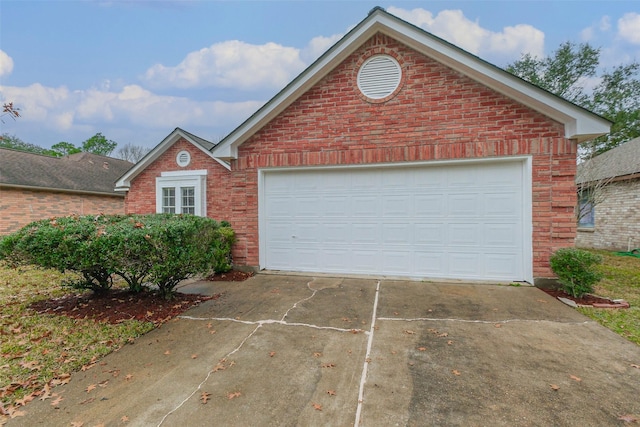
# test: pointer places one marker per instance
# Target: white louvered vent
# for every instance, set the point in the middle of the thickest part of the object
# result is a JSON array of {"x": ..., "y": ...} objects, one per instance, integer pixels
[
  {"x": 379, "y": 77},
  {"x": 183, "y": 158}
]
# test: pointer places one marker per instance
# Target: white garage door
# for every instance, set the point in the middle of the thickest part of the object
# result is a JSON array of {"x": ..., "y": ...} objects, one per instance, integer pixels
[{"x": 464, "y": 221}]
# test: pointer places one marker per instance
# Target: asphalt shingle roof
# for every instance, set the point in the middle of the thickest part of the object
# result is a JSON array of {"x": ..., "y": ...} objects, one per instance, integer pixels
[
  {"x": 84, "y": 172},
  {"x": 620, "y": 161}
]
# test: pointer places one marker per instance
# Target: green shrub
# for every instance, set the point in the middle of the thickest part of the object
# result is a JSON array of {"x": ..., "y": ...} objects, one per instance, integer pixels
[
  {"x": 157, "y": 249},
  {"x": 575, "y": 269}
]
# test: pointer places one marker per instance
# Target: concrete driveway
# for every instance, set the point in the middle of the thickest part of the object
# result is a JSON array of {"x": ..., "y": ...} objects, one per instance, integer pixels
[{"x": 282, "y": 350}]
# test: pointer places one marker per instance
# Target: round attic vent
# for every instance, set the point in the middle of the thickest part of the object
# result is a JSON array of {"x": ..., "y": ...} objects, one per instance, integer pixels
[
  {"x": 379, "y": 76},
  {"x": 183, "y": 158}
]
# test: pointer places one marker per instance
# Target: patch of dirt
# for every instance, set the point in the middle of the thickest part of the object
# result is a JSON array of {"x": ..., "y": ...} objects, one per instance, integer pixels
[
  {"x": 120, "y": 304},
  {"x": 230, "y": 276},
  {"x": 584, "y": 300}
]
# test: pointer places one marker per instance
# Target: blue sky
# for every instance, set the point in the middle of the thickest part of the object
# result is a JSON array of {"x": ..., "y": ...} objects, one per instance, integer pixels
[{"x": 136, "y": 69}]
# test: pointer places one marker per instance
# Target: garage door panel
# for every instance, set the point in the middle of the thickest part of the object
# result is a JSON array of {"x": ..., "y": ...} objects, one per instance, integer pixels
[
  {"x": 365, "y": 206},
  {"x": 397, "y": 234},
  {"x": 444, "y": 221},
  {"x": 464, "y": 235},
  {"x": 429, "y": 234},
  {"x": 337, "y": 233}
]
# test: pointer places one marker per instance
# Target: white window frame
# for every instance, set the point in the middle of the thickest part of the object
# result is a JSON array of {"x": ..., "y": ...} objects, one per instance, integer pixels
[{"x": 179, "y": 179}]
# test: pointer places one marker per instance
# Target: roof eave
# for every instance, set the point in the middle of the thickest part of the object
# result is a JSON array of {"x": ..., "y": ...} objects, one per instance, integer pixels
[
  {"x": 580, "y": 124},
  {"x": 124, "y": 182}
]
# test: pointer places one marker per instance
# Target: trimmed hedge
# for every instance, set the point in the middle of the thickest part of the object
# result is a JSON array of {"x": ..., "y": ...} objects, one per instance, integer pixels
[{"x": 159, "y": 249}]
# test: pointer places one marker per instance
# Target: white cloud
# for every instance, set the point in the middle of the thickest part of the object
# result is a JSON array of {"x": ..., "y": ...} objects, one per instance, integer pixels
[
  {"x": 6, "y": 64},
  {"x": 454, "y": 27},
  {"x": 629, "y": 27},
  {"x": 59, "y": 109},
  {"x": 602, "y": 26},
  {"x": 231, "y": 64},
  {"x": 319, "y": 45}
]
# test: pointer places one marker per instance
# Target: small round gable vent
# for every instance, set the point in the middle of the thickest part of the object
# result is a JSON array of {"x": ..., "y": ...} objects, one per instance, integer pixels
[
  {"x": 379, "y": 76},
  {"x": 183, "y": 158}
]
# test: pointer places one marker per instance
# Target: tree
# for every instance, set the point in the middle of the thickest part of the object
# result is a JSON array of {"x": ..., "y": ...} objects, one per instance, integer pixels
[
  {"x": 9, "y": 110},
  {"x": 15, "y": 143},
  {"x": 63, "y": 148},
  {"x": 132, "y": 153},
  {"x": 98, "y": 144},
  {"x": 567, "y": 73}
]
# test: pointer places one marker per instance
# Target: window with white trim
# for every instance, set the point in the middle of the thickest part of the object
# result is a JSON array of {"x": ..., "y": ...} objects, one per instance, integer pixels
[{"x": 182, "y": 192}]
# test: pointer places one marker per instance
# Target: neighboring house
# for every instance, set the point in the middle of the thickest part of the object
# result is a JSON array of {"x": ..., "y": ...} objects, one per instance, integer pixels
[
  {"x": 394, "y": 154},
  {"x": 33, "y": 186},
  {"x": 610, "y": 207}
]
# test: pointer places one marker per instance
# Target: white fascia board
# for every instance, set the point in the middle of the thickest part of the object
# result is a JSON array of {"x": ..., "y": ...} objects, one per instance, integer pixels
[
  {"x": 124, "y": 183},
  {"x": 580, "y": 124},
  {"x": 228, "y": 149}
]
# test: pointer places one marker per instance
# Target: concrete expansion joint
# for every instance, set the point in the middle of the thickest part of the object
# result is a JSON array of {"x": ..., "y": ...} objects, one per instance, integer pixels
[{"x": 488, "y": 322}]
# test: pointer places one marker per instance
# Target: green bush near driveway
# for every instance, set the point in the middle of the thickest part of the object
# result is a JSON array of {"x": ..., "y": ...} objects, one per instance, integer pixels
[{"x": 159, "y": 249}]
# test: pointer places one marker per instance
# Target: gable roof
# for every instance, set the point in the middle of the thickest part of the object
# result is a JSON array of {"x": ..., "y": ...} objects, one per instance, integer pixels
[
  {"x": 579, "y": 123},
  {"x": 622, "y": 161},
  {"x": 78, "y": 173},
  {"x": 124, "y": 183}
]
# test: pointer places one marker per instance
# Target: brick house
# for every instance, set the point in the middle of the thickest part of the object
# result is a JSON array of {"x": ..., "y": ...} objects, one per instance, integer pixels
[
  {"x": 394, "y": 154},
  {"x": 33, "y": 186},
  {"x": 610, "y": 216}
]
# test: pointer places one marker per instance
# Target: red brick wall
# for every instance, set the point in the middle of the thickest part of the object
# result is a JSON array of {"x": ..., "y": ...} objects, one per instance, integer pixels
[
  {"x": 18, "y": 207},
  {"x": 436, "y": 114},
  {"x": 141, "y": 198}
]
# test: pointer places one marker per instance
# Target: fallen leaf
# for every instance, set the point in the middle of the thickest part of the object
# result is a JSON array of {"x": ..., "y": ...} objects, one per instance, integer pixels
[
  {"x": 331, "y": 392},
  {"x": 628, "y": 418},
  {"x": 317, "y": 407},
  {"x": 554, "y": 387},
  {"x": 212, "y": 332},
  {"x": 542, "y": 301},
  {"x": 394, "y": 352},
  {"x": 167, "y": 352},
  {"x": 90, "y": 388},
  {"x": 455, "y": 372},
  {"x": 124, "y": 419},
  {"x": 408, "y": 332},
  {"x": 46, "y": 392},
  {"x": 317, "y": 354},
  {"x": 77, "y": 424},
  {"x": 128, "y": 377},
  {"x": 233, "y": 395},
  {"x": 194, "y": 356},
  {"x": 14, "y": 412},
  {"x": 498, "y": 325},
  {"x": 272, "y": 353},
  {"x": 209, "y": 325},
  {"x": 89, "y": 400},
  {"x": 26, "y": 399},
  {"x": 204, "y": 397},
  {"x": 449, "y": 342},
  {"x": 328, "y": 365},
  {"x": 57, "y": 401},
  {"x": 422, "y": 348},
  {"x": 573, "y": 377},
  {"x": 633, "y": 365},
  {"x": 444, "y": 334}
]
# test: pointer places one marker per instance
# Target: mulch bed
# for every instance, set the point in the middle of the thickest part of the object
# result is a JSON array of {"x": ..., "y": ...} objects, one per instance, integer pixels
[
  {"x": 231, "y": 276},
  {"x": 119, "y": 305},
  {"x": 586, "y": 300}
]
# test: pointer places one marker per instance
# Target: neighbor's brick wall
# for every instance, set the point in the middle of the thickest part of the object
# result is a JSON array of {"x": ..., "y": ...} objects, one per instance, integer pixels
[
  {"x": 617, "y": 219},
  {"x": 18, "y": 207},
  {"x": 141, "y": 198},
  {"x": 437, "y": 114}
]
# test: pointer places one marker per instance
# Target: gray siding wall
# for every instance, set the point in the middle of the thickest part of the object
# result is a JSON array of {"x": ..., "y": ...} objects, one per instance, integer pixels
[{"x": 617, "y": 219}]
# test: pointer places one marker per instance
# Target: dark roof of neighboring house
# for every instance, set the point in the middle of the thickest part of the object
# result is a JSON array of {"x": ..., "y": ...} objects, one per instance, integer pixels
[
  {"x": 81, "y": 172},
  {"x": 617, "y": 162}
]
